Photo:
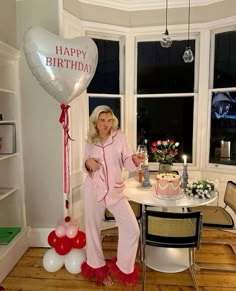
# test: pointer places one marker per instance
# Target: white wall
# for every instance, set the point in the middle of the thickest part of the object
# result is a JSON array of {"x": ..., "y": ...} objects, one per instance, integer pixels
[
  {"x": 42, "y": 132},
  {"x": 8, "y": 20},
  {"x": 105, "y": 15}
]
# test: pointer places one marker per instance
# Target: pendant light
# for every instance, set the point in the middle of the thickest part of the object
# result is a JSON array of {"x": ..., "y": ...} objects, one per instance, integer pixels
[
  {"x": 166, "y": 40},
  {"x": 188, "y": 54}
]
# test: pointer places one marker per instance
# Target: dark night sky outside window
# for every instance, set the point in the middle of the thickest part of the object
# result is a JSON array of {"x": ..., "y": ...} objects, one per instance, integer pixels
[
  {"x": 106, "y": 78},
  {"x": 162, "y": 70},
  {"x": 166, "y": 118},
  {"x": 225, "y": 60},
  {"x": 113, "y": 103}
]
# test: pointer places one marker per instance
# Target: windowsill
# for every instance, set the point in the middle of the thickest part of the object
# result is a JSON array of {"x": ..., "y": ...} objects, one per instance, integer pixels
[{"x": 231, "y": 162}]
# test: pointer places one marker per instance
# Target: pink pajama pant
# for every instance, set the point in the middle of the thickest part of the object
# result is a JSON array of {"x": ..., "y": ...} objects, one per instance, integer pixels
[{"x": 128, "y": 231}]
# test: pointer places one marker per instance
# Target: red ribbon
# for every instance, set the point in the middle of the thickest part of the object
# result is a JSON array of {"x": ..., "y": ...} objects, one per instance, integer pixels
[{"x": 64, "y": 120}]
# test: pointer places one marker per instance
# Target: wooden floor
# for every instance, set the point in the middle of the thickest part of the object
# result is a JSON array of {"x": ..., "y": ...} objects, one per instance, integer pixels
[{"x": 29, "y": 274}]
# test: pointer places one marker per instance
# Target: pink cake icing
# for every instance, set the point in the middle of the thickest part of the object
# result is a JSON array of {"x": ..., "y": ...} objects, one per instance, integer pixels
[{"x": 168, "y": 185}]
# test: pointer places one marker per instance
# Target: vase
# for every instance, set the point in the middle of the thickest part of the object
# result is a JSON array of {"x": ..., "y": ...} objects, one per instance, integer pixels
[{"x": 165, "y": 168}]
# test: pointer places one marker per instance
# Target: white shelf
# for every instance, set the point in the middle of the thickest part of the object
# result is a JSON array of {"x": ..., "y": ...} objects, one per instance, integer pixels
[
  {"x": 4, "y": 157},
  {"x": 4, "y": 247},
  {"x": 12, "y": 199},
  {"x": 7, "y": 91},
  {"x": 5, "y": 192},
  {"x": 7, "y": 121},
  {"x": 11, "y": 253}
]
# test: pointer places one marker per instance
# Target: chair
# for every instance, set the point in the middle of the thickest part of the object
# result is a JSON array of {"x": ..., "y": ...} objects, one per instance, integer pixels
[
  {"x": 137, "y": 208},
  {"x": 219, "y": 217},
  {"x": 172, "y": 230}
]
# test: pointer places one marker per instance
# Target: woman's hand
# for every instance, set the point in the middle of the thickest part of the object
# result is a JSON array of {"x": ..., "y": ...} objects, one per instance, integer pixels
[
  {"x": 138, "y": 159},
  {"x": 92, "y": 164}
]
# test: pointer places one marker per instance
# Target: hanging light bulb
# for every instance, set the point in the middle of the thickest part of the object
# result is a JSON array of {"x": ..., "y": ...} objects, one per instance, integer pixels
[
  {"x": 188, "y": 54},
  {"x": 166, "y": 40}
]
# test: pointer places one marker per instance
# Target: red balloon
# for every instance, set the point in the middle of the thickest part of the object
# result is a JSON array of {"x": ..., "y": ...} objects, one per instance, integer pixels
[
  {"x": 79, "y": 241},
  {"x": 52, "y": 238},
  {"x": 63, "y": 245}
]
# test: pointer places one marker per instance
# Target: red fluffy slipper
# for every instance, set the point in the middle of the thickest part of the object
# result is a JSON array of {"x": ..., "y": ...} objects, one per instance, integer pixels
[
  {"x": 89, "y": 272},
  {"x": 126, "y": 279}
]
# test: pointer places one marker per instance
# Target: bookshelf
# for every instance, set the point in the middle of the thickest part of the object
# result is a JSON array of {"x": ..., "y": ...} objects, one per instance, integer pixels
[{"x": 12, "y": 201}]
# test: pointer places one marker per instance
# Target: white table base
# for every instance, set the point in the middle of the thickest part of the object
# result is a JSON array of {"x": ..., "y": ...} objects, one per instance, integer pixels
[{"x": 168, "y": 260}]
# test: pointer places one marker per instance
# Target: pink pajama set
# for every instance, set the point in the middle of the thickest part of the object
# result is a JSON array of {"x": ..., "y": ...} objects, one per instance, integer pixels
[{"x": 104, "y": 189}]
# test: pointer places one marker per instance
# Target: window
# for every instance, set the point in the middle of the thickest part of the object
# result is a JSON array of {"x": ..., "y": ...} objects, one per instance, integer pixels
[
  {"x": 166, "y": 118},
  {"x": 106, "y": 78},
  {"x": 223, "y": 100},
  {"x": 113, "y": 103},
  {"x": 225, "y": 60},
  {"x": 161, "y": 70},
  {"x": 107, "y": 83},
  {"x": 223, "y": 128},
  {"x": 169, "y": 112}
]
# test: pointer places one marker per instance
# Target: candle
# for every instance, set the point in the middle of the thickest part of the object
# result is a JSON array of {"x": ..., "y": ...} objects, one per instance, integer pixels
[{"x": 185, "y": 160}]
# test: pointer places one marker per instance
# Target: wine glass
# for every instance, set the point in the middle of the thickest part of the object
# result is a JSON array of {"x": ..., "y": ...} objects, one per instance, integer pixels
[{"x": 142, "y": 152}]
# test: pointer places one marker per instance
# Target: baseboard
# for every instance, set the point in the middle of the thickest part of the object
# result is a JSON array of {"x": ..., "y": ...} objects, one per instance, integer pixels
[{"x": 38, "y": 237}]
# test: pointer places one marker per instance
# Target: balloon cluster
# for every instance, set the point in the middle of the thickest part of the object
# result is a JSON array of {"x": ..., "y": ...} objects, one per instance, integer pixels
[
  {"x": 65, "y": 237},
  {"x": 67, "y": 243}
]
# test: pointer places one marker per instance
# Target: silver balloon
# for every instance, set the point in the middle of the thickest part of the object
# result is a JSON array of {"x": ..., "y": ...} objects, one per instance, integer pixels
[{"x": 63, "y": 67}]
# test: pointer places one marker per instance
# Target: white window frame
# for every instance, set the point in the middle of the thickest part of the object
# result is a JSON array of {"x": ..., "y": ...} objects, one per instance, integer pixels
[{"x": 196, "y": 37}]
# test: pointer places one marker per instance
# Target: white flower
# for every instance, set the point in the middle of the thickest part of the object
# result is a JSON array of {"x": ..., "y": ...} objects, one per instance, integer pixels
[{"x": 199, "y": 189}]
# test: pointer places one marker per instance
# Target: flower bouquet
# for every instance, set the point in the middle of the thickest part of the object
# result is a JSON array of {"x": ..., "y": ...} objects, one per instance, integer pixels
[
  {"x": 200, "y": 189},
  {"x": 165, "y": 151}
]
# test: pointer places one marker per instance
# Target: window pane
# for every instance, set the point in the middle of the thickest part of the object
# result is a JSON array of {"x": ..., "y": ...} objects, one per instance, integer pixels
[
  {"x": 113, "y": 103},
  {"x": 223, "y": 128},
  {"x": 225, "y": 60},
  {"x": 162, "y": 70},
  {"x": 106, "y": 78},
  {"x": 166, "y": 118}
]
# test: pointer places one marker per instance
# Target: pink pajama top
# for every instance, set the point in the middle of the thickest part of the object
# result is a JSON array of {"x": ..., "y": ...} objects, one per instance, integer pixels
[{"x": 107, "y": 183}]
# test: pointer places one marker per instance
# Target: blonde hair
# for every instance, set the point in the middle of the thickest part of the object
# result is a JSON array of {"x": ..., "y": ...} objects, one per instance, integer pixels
[{"x": 93, "y": 135}]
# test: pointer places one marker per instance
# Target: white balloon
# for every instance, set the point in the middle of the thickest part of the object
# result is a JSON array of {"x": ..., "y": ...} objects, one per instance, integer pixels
[
  {"x": 63, "y": 67},
  {"x": 52, "y": 262},
  {"x": 74, "y": 259}
]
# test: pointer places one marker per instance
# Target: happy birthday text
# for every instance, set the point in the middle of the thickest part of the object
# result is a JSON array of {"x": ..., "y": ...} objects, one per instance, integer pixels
[{"x": 68, "y": 63}]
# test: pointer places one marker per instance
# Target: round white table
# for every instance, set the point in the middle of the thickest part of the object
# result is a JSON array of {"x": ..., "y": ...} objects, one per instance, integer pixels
[{"x": 169, "y": 260}]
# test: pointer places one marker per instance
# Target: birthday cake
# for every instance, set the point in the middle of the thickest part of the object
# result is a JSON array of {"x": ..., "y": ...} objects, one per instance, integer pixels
[{"x": 168, "y": 186}]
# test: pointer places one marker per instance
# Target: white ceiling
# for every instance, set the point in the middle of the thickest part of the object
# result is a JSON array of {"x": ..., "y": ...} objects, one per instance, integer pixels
[{"x": 132, "y": 5}]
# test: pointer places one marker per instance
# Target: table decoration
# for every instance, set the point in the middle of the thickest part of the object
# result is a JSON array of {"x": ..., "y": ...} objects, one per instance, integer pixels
[
  {"x": 200, "y": 189},
  {"x": 164, "y": 152}
]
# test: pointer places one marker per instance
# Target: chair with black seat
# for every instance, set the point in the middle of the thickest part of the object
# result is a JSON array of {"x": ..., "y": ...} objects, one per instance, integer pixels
[
  {"x": 137, "y": 209},
  {"x": 218, "y": 217},
  {"x": 172, "y": 230}
]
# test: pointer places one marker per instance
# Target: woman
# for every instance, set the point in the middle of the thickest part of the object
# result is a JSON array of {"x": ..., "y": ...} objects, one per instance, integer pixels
[{"x": 106, "y": 153}]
